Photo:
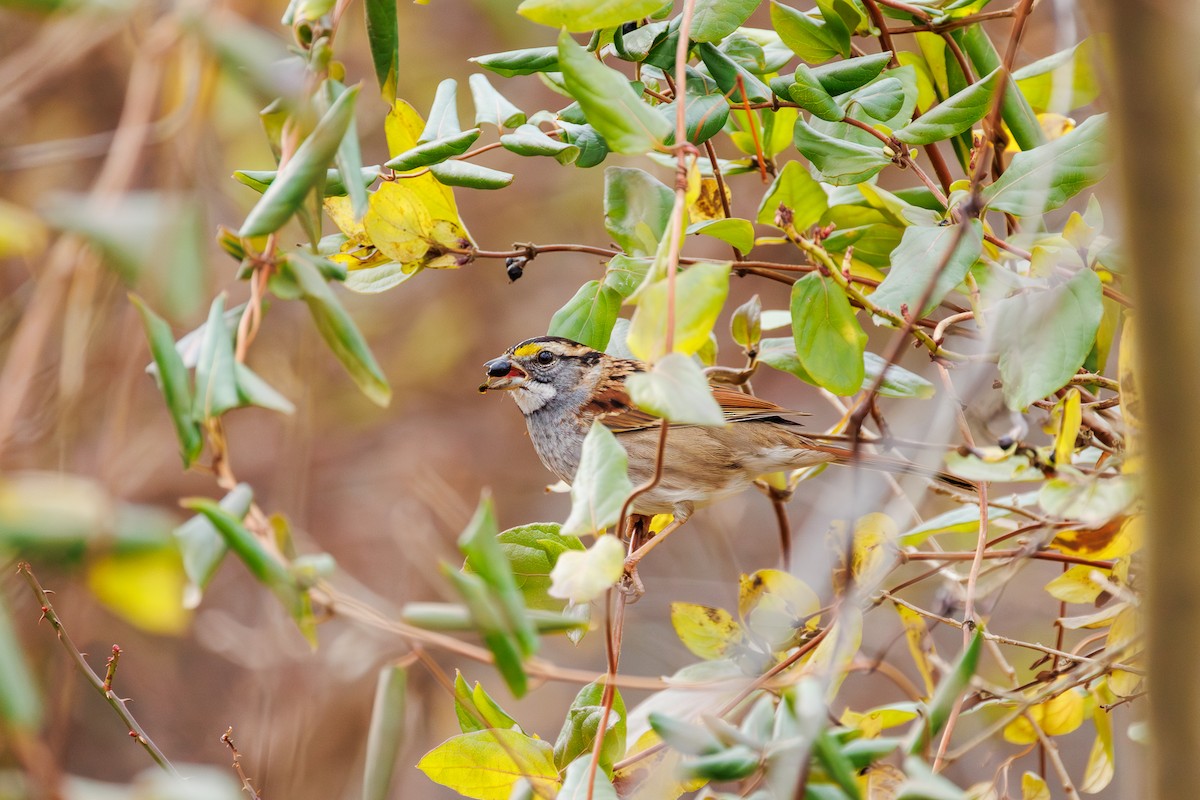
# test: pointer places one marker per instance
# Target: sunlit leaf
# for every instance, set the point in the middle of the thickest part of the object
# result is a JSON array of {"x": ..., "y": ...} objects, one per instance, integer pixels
[
  {"x": 777, "y": 607},
  {"x": 700, "y": 292},
  {"x": 920, "y": 644},
  {"x": 1061, "y": 82},
  {"x": 601, "y": 484},
  {"x": 675, "y": 388},
  {"x": 581, "y": 577},
  {"x": 486, "y": 764},
  {"x": 144, "y": 589},
  {"x": 709, "y": 633},
  {"x": 737, "y": 232},
  {"x": 586, "y": 15}
]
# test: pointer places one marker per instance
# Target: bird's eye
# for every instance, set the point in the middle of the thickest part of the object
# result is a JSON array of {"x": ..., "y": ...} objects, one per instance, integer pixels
[{"x": 545, "y": 357}]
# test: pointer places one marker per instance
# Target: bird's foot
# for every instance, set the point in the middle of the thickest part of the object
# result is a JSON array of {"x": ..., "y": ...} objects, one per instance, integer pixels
[{"x": 631, "y": 583}]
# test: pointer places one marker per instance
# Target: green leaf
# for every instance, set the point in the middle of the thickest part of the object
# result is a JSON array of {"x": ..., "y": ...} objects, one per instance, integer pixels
[
  {"x": 829, "y": 341},
  {"x": 478, "y": 543},
  {"x": 601, "y": 483},
  {"x": 578, "y": 733},
  {"x": 373, "y": 280},
  {"x": 592, "y": 147},
  {"x": 491, "y": 107},
  {"x": 849, "y": 74},
  {"x": 383, "y": 35},
  {"x": 840, "y": 162},
  {"x": 202, "y": 546},
  {"x": 828, "y": 753},
  {"x": 882, "y": 99},
  {"x": 575, "y": 782},
  {"x": 745, "y": 326},
  {"x": 264, "y": 566},
  {"x": 254, "y": 391},
  {"x": 808, "y": 92},
  {"x": 617, "y": 112},
  {"x": 349, "y": 156},
  {"x": 737, "y": 232},
  {"x": 338, "y": 330},
  {"x": 386, "y": 732},
  {"x": 675, "y": 388},
  {"x": 304, "y": 170},
  {"x": 917, "y": 259},
  {"x": 472, "y": 176},
  {"x": 953, "y": 115},
  {"x": 625, "y": 274},
  {"x": 726, "y": 72},
  {"x": 476, "y": 710},
  {"x": 897, "y": 381},
  {"x": 948, "y": 692},
  {"x": 1042, "y": 179},
  {"x": 458, "y": 617},
  {"x": 520, "y": 62},
  {"x": 925, "y": 784},
  {"x": 637, "y": 208},
  {"x": 442, "y": 122},
  {"x": 216, "y": 381},
  {"x": 806, "y": 37},
  {"x": 20, "y": 699},
  {"x": 700, "y": 293},
  {"x": 487, "y": 764},
  {"x": 260, "y": 179},
  {"x": 1049, "y": 334},
  {"x": 528, "y": 140},
  {"x": 704, "y": 116},
  {"x": 713, "y": 20},
  {"x": 996, "y": 466},
  {"x": 586, "y": 15},
  {"x": 731, "y": 764},
  {"x": 797, "y": 191},
  {"x": 780, "y": 354},
  {"x": 589, "y": 316},
  {"x": 686, "y": 737},
  {"x": 172, "y": 380},
  {"x": 1044, "y": 81},
  {"x": 491, "y": 626},
  {"x": 532, "y": 550},
  {"x": 1014, "y": 109},
  {"x": 434, "y": 151}
]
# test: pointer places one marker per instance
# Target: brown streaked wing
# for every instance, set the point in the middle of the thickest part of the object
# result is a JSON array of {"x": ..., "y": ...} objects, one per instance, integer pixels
[{"x": 613, "y": 406}]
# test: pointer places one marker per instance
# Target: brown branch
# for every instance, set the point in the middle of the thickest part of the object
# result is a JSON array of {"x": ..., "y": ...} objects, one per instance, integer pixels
[
  {"x": 227, "y": 738},
  {"x": 136, "y": 731}
]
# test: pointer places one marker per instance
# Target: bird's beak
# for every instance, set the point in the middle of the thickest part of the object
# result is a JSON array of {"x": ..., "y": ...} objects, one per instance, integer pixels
[{"x": 503, "y": 374}]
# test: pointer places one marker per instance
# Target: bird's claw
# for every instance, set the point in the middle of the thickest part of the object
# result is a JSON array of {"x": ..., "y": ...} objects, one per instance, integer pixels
[{"x": 631, "y": 584}]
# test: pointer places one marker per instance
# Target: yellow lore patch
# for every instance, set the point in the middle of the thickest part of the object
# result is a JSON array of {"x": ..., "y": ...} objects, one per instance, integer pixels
[{"x": 527, "y": 349}]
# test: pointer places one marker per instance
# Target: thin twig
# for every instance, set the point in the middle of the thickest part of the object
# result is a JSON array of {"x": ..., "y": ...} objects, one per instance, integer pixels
[
  {"x": 227, "y": 738},
  {"x": 136, "y": 731}
]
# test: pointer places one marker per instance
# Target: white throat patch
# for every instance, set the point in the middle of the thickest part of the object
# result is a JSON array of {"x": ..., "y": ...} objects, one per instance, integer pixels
[{"x": 533, "y": 395}]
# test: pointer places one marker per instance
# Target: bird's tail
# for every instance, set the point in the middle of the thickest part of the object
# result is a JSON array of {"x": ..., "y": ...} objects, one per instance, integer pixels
[{"x": 892, "y": 464}]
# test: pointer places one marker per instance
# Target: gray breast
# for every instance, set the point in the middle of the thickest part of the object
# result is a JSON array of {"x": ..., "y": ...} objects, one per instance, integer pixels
[{"x": 558, "y": 439}]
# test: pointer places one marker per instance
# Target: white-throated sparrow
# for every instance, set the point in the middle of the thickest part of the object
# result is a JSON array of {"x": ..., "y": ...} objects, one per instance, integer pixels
[{"x": 562, "y": 386}]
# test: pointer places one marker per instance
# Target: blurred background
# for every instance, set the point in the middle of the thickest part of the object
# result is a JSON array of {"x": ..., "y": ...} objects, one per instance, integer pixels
[{"x": 384, "y": 491}]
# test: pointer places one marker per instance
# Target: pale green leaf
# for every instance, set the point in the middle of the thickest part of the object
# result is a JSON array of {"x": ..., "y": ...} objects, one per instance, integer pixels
[
  {"x": 925, "y": 257},
  {"x": 601, "y": 483},
  {"x": 675, "y": 388},
  {"x": 829, "y": 340}
]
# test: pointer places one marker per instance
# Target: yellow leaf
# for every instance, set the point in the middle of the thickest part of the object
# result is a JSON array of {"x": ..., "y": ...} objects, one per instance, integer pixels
[
  {"x": 1124, "y": 683},
  {"x": 340, "y": 211},
  {"x": 873, "y": 722},
  {"x": 1123, "y": 631},
  {"x": 1068, "y": 412},
  {"x": 777, "y": 607},
  {"x": 708, "y": 204},
  {"x": 1062, "y": 714},
  {"x": 21, "y": 232},
  {"x": 145, "y": 589},
  {"x": 920, "y": 645},
  {"x": 398, "y": 225},
  {"x": 1076, "y": 585},
  {"x": 700, "y": 293},
  {"x": 1100, "y": 766},
  {"x": 1057, "y": 716},
  {"x": 1116, "y": 538},
  {"x": 709, "y": 633},
  {"x": 1034, "y": 787},
  {"x": 874, "y": 552},
  {"x": 1131, "y": 402},
  {"x": 884, "y": 781},
  {"x": 487, "y": 764}
]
